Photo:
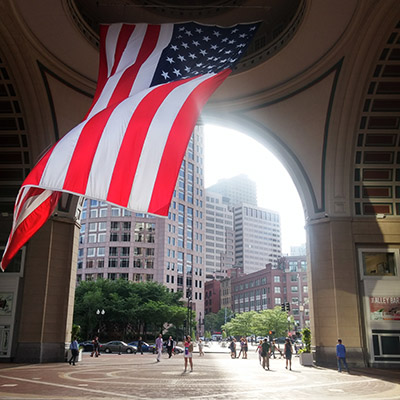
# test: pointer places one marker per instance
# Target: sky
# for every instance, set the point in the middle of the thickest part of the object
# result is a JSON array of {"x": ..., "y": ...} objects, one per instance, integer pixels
[{"x": 275, "y": 188}]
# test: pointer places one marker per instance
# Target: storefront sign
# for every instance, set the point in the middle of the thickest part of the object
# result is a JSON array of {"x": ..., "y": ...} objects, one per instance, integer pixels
[{"x": 384, "y": 308}]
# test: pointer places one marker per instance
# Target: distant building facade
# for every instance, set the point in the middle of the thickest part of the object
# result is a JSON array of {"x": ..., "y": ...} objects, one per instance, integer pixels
[
  {"x": 212, "y": 302},
  {"x": 219, "y": 244},
  {"x": 270, "y": 287},
  {"x": 257, "y": 237},
  {"x": 298, "y": 250},
  {"x": 116, "y": 243},
  {"x": 236, "y": 190}
]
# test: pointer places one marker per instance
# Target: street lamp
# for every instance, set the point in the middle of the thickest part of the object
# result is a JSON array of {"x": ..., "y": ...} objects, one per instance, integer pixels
[{"x": 100, "y": 314}]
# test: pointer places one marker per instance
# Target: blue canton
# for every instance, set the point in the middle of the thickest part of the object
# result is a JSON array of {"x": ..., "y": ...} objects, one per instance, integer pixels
[{"x": 200, "y": 49}]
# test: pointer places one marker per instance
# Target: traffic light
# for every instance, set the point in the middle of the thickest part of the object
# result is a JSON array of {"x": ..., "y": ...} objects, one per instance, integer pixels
[
  {"x": 288, "y": 306},
  {"x": 283, "y": 307}
]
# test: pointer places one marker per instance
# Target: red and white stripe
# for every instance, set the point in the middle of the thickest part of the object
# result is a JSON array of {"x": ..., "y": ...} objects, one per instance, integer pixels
[
  {"x": 129, "y": 148},
  {"x": 32, "y": 209}
]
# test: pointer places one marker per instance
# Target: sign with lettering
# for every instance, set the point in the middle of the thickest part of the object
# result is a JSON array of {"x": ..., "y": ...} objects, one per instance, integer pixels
[{"x": 385, "y": 308}]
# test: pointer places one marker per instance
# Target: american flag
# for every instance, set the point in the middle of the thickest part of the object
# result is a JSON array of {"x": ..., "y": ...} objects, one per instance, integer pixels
[{"x": 153, "y": 82}]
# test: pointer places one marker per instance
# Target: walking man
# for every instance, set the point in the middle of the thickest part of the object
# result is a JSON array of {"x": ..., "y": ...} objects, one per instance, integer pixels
[
  {"x": 341, "y": 356},
  {"x": 140, "y": 345},
  {"x": 74, "y": 347},
  {"x": 265, "y": 350},
  {"x": 159, "y": 346},
  {"x": 170, "y": 346}
]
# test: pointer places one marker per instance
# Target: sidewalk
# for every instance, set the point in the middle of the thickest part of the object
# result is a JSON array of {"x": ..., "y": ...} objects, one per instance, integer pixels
[{"x": 215, "y": 376}]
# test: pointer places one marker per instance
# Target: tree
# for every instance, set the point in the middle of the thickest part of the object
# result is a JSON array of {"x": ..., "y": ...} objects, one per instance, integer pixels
[
  {"x": 241, "y": 325},
  {"x": 131, "y": 309}
]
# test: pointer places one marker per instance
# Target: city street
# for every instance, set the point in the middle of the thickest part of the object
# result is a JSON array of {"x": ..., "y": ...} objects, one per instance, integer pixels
[{"x": 215, "y": 376}]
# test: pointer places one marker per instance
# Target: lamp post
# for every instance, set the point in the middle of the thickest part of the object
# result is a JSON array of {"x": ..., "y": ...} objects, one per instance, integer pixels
[
  {"x": 189, "y": 310},
  {"x": 100, "y": 314}
]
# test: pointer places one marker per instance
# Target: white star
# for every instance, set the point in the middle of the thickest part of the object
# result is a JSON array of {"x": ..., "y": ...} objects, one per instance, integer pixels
[
  {"x": 181, "y": 58},
  {"x": 241, "y": 45},
  {"x": 192, "y": 56},
  {"x": 198, "y": 65},
  {"x": 206, "y": 38},
  {"x": 182, "y": 28},
  {"x": 234, "y": 30},
  {"x": 203, "y": 52},
  {"x": 216, "y": 33},
  {"x": 189, "y": 33},
  {"x": 223, "y": 61},
  {"x": 170, "y": 60},
  {"x": 185, "y": 45},
  {"x": 228, "y": 51},
  {"x": 252, "y": 28},
  {"x": 232, "y": 41},
  {"x": 165, "y": 75},
  {"x": 177, "y": 72},
  {"x": 243, "y": 35},
  {"x": 214, "y": 47},
  {"x": 199, "y": 30},
  {"x": 173, "y": 47},
  {"x": 232, "y": 60},
  {"x": 196, "y": 43},
  {"x": 187, "y": 69},
  {"x": 224, "y": 40}
]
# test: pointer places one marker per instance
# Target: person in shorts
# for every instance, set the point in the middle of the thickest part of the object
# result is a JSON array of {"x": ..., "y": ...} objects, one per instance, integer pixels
[{"x": 188, "y": 353}]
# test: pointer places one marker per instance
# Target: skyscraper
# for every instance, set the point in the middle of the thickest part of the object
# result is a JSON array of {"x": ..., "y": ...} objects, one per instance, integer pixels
[
  {"x": 257, "y": 237},
  {"x": 220, "y": 246},
  {"x": 116, "y": 243},
  {"x": 236, "y": 190}
]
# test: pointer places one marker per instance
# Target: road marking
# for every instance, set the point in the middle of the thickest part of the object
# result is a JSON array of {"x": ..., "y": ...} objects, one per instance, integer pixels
[{"x": 74, "y": 388}]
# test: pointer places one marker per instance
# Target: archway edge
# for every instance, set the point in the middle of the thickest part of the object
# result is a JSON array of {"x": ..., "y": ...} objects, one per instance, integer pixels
[{"x": 274, "y": 144}]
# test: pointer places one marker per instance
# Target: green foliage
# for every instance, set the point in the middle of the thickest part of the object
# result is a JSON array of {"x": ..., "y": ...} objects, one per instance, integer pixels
[
  {"x": 258, "y": 323},
  {"x": 213, "y": 322},
  {"x": 131, "y": 309},
  {"x": 306, "y": 332},
  {"x": 207, "y": 334},
  {"x": 76, "y": 329}
]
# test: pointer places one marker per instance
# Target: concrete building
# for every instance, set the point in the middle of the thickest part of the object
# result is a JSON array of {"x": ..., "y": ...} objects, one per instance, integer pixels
[
  {"x": 236, "y": 190},
  {"x": 257, "y": 237},
  {"x": 116, "y": 243},
  {"x": 219, "y": 244},
  {"x": 271, "y": 286}
]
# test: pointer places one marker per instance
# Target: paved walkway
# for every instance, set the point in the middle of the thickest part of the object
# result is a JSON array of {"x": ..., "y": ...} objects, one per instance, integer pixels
[{"x": 215, "y": 376}]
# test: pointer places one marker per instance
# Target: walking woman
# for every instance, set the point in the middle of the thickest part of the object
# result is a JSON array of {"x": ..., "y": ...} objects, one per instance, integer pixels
[
  {"x": 259, "y": 350},
  {"x": 288, "y": 353},
  {"x": 188, "y": 353}
]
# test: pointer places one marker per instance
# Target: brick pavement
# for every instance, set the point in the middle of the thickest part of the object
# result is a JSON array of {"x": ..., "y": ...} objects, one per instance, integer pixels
[{"x": 215, "y": 376}]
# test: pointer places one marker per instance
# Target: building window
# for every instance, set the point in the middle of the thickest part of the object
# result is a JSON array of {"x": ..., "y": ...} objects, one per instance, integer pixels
[
  {"x": 277, "y": 279},
  {"x": 113, "y": 251},
  {"x": 101, "y": 251},
  {"x": 277, "y": 289},
  {"x": 100, "y": 263},
  {"x": 126, "y": 237},
  {"x": 91, "y": 252},
  {"x": 102, "y": 226},
  {"x": 92, "y": 238},
  {"x": 124, "y": 263},
  {"x": 114, "y": 225},
  {"x": 115, "y": 212},
  {"x": 113, "y": 237},
  {"x": 294, "y": 289},
  {"x": 112, "y": 262}
]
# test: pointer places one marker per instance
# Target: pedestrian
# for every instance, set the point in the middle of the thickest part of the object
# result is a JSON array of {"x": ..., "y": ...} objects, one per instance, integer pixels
[
  {"x": 201, "y": 352},
  {"x": 140, "y": 345},
  {"x": 241, "y": 347},
  {"x": 245, "y": 347},
  {"x": 159, "y": 347},
  {"x": 275, "y": 347},
  {"x": 265, "y": 352},
  {"x": 96, "y": 347},
  {"x": 341, "y": 356},
  {"x": 188, "y": 353},
  {"x": 170, "y": 346},
  {"x": 74, "y": 347},
  {"x": 232, "y": 348},
  {"x": 288, "y": 351},
  {"x": 258, "y": 350}
]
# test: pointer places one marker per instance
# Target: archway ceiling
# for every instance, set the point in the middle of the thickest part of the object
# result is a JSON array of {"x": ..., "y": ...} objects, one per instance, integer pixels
[{"x": 282, "y": 79}]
